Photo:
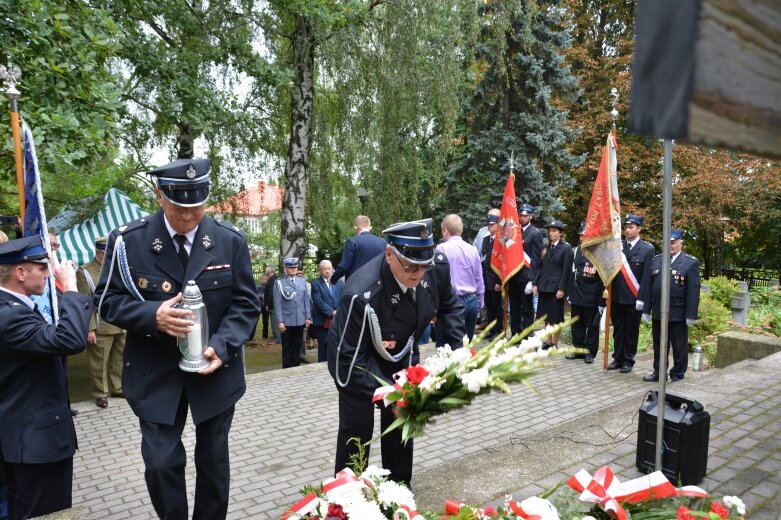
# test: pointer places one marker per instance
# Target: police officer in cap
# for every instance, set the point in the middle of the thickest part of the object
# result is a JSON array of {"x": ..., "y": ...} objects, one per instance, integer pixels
[
  {"x": 684, "y": 303},
  {"x": 293, "y": 312},
  {"x": 151, "y": 260},
  {"x": 37, "y": 436},
  {"x": 631, "y": 289},
  {"x": 385, "y": 308},
  {"x": 585, "y": 297},
  {"x": 521, "y": 284}
]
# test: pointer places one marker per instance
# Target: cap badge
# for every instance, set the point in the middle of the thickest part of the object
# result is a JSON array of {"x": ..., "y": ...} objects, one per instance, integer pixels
[
  {"x": 143, "y": 283},
  {"x": 206, "y": 241},
  {"x": 190, "y": 172},
  {"x": 424, "y": 284},
  {"x": 157, "y": 245},
  {"x": 424, "y": 234},
  {"x": 166, "y": 286},
  {"x": 367, "y": 294}
]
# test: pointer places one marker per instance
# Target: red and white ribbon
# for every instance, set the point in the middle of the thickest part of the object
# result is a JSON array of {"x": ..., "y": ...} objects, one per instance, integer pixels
[
  {"x": 407, "y": 513},
  {"x": 629, "y": 276},
  {"x": 400, "y": 378},
  {"x": 606, "y": 490},
  {"x": 527, "y": 261},
  {"x": 344, "y": 482}
]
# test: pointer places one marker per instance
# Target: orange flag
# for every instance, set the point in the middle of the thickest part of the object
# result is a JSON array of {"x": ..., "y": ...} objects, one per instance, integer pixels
[
  {"x": 601, "y": 242},
  {"x": 507, "y": 256}
]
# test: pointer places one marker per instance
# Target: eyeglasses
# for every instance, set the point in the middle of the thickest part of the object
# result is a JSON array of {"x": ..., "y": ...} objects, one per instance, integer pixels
[
  {"x": 55, "y": 245},
  {"x": 410, "y": 268}
]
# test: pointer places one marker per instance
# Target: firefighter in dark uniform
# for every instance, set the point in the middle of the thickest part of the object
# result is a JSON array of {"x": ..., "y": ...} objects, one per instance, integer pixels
[
  {"x": 520, "y": 285},
  {"x": 551, "y": 280},
  {"x": 37, "y": 437},
  {"x": 585, "y": 297},
  {"x": 385, "y": 307},
  {"x": 630, "y": 290},
  {"x": 684, "y": 303},
  {"x": 491, "y": 280},
  {"x": 151, "y": 259}
]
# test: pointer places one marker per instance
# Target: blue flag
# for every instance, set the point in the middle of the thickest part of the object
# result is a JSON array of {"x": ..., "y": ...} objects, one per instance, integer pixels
[{"x": 35, "y": 221}]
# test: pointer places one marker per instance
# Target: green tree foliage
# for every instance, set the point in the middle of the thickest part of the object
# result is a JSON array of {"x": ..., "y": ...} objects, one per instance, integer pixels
[
  {"x": 517, "y": 107},
  {"x": 69, "y": 99}
]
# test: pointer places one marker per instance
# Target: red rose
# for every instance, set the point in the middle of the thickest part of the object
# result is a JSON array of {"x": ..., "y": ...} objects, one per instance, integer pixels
[
  {"x": 489, "y": 511},
  {"x": 683, "y": 513},
  {"x": 416, "y": 374},
  {"x": 719, "y": 509},
  {"x": 335, "y": 512}
]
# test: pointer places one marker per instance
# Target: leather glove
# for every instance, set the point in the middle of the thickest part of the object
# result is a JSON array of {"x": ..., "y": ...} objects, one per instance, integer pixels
[
  {"x": 646, "y": 318},
  {"x": 528, "y": 289},
  {"x": 689, "y": 322},
  {"x": 639, "y": 305}
]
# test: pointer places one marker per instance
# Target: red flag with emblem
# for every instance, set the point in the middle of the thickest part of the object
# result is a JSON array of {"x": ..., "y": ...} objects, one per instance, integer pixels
[
  {"x": 507, "y": 256},
  {"x": 601, "y": 242}
]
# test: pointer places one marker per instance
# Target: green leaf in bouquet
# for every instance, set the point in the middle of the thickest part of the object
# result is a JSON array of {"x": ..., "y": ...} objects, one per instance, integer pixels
[
  {"x": 395, "y": 424},
  {"x": 454, "y": 401}
]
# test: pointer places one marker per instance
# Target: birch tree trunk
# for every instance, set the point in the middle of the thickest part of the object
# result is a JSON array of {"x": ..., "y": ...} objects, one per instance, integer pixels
[{"x": 293, "y": 236}]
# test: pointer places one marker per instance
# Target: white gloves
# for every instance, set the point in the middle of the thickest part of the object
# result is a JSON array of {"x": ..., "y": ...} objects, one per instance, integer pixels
[
  {"x": 689, "y": 322},
  {"x": 639, "y": 305},
  {"x": 528, "y": 289},
  {"x": 601, "y": 310},
  {"x": 646, "y": 318}
]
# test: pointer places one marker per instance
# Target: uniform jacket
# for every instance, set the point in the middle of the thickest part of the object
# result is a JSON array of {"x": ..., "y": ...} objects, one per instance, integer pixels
[
  {"x": 490, "y": 278},
  {"x": 586, "y": 286},
  {"x": 325, "y": 301},
  {"x": 554, "y": 271},
  {"x": 639, "y": 259},
  {"x": 35, "y": 417},
  {"x": 532, "y": 246},
  {"x": 375, "y": 285},
  {"x": 358, "y": 250},
  {"x": 220, "y": 265},
  {"x": 93, "y": 268},
  {"x": 684, "y": 288},
  {"x": 291, "y": 301}
]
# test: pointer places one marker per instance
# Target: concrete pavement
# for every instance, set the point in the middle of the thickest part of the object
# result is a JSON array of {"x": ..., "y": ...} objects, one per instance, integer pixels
[{"x": 284, "y": 435}]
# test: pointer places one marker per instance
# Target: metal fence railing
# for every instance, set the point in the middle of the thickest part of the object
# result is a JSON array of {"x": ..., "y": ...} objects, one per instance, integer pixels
[{"x": 753, "y": 277}]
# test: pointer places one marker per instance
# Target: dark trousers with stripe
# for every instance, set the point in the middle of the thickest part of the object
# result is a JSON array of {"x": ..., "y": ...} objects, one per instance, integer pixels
[
  {"x": 37, "y": 489},
  {"x": 626, "y": 329},
  {"x": 165, "y": 458},
  {"x": 678, "y": 338}
]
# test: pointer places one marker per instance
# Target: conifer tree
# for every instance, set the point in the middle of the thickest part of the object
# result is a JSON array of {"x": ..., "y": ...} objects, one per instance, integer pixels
[{"x": 518, "y": 107}]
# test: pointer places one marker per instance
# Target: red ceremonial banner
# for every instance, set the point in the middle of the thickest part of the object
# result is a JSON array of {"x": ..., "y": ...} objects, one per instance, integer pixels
[{"x": 507, "y": 256}]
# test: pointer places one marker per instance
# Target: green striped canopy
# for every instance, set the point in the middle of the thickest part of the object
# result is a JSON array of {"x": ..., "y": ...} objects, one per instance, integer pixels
[{"x": 78, "y": 242}]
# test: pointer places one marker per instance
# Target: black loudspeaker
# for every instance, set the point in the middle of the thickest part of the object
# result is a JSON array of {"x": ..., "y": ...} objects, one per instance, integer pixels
[{"x": 685, "y": 438}]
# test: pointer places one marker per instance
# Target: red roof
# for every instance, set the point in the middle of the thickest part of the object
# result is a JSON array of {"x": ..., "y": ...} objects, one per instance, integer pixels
[{"x": 259, "y": 200}]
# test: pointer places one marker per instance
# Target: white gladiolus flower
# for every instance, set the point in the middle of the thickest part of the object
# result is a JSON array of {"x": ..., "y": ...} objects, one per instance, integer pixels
[
  {"x": 737, "y": 503},
  {"x": 390, "y": 493},
  {"x": 431, "y": 383},
  {"x": 364, "y": 510},
  {"x": 373, "y": 472},
  {"x": 475, "y": 380}
]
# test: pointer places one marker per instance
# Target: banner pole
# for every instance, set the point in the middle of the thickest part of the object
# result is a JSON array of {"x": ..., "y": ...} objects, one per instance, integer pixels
[
  {"x": 11, "y": 75},
  {"x": 606, "y": 349},
  {"x": 505, "y": 305}
]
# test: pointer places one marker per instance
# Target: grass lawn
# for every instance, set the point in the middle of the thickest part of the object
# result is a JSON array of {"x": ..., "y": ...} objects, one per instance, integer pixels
[{"x": 260, "y": 355}]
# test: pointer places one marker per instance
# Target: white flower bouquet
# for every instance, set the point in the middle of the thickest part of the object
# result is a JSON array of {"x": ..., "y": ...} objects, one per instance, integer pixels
[{"x": 450, "y": 379}]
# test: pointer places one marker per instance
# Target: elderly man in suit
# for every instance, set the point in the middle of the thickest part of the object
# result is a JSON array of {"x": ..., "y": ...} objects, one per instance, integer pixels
[
  {"x": 358, "y": 249},
  {"x": 293, "y": 312},
  {"x": 684, "y": 305},
  {"x": 393, "y": 298},
  {"x": 156, "y": 258},
  {"x": 37, "y": 436},
  {"x": 325, "y": 300}
]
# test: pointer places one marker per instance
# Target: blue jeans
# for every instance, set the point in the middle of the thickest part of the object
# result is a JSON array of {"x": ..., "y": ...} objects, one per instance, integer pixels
[{"x": 469, "y": 301}]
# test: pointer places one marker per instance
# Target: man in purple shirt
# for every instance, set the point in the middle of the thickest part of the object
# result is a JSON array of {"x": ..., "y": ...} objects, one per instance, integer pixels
[{"x": 466, "y": 273}]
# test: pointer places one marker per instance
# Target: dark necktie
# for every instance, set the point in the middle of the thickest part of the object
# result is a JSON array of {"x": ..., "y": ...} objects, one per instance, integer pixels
[
  {"x": 182, "y": 253},
  {"x": 411, "y": 297}
]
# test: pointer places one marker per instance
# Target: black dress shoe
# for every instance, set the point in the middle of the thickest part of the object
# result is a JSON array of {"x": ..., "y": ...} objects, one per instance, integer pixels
[
  {"x": 546, "y": 345},
  {"x": 573, "y": 356},
  {"x": 625, "y": 369},
  {"x": 588, "y": 359},
  {"x": 613, "y": 366},
  {"x": 675, "y": 379},
  {"x": 74, "y": 413},
  {"x": 651, "y": 378}
]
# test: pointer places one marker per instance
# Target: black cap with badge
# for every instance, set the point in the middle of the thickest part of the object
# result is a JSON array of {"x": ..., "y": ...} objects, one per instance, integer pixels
[
  {"x": 184, "y": 182},
  {"x": 412, "y": 240},
  {"x": 22, "y": 250}
]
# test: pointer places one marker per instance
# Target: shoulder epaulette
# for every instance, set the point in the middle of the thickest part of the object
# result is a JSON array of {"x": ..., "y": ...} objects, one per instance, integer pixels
[
  {"x": 687, "y": 255},
  {"x": 440, "y": 257},
  {"x": 131, "y": 226},
  {"x": 227, "y": 225}
]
